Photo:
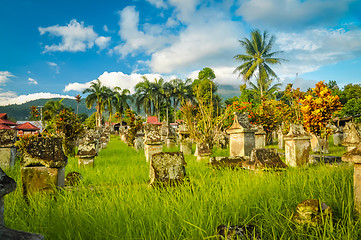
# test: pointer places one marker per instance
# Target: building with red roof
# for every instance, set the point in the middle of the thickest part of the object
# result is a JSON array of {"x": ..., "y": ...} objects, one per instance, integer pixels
[
  {"x": 2, "y": 127},
  {"x": 4, "y": 120},
  {"x": 27, "y": 128},
  {"x": 153, "y": 120}
]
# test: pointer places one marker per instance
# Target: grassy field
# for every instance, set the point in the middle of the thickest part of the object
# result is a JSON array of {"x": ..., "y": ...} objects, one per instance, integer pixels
[{"x": 115, "y": 202}]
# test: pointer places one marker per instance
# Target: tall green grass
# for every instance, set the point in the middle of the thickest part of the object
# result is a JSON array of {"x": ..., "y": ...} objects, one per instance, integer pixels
[{"x": 115, "y": 202}]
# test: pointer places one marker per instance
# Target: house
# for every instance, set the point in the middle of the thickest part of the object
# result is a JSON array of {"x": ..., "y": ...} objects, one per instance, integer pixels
[
  {"x": 153, "y": 120},
  {"x": 4, "y": 120},
  {"x": 26, "y": 128}
]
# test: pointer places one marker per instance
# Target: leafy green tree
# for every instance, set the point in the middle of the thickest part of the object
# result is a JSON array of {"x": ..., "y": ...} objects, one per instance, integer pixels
[
  {"x": 182, "y": 91},
  {"x": 264, "y": 88},
  {"x": 54, "y": 106},
  {"x": 257, "y": 58},
  {"x": 144, "y": 96}
]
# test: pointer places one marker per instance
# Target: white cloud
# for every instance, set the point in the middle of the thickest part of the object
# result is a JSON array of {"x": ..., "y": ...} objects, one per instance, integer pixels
[
  {"x": 11, "y": 98},
  {"x": 102, "y": 42},
  {"x": 293, "y": 14},
  {"x": 105, "y": 28},
  {"x": 309, "y": 50},
  {"x": 158, "y": 3},
  {"x": 4, "y": 77},
  {"x": 55, "y": 66},
  {"x": 32, "y": 81},
  {"x": 75, "y": 37},
  {"x": 152, "y": 38},
  {"x": 118, "y": 79}
]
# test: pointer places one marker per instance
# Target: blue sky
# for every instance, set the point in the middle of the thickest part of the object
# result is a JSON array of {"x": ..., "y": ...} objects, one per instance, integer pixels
[{"x": 56, "y": 48}]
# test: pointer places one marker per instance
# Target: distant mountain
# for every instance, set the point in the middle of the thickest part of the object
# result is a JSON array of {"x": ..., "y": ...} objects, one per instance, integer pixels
[{"x": 21, "y": 112}]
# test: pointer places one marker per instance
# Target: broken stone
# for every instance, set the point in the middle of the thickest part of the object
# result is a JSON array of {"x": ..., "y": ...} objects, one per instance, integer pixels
[
  {"x": 263, "y": 158},
  {"x": 319, "y": 144},
  {"x": 238, "y": 232},
  {"x": 310, "y": 212},
  {"x": 167, "y": 168},
  {"x": 227, "y": 162},
  {"x": 8, "y": 185},
  {"x": 73, "y": 179}
]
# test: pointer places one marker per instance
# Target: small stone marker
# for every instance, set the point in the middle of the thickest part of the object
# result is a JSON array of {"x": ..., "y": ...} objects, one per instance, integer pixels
[
  {"x": 185, "y": 141},
  {"x": 43, "y": 166},
  {"x": 167, "y": 168},
  {"x": 227, "y": 162},
  {"x": 281, "y": 141},
  {"x": 260, "y": 137},
  {"x": 7, "y": 148},
  {"x": 308, "y": 212},
  {"x": 338, "y": 137},
  {"x": 262, "y": 158},
  {"x": 242, "y": 138},
  {"x": 319, "y": 144},
  {"x": 8, "y": 185},
  {"x": 354, "y": 156},
  {"x": 139, "y": 140},
  {"x": 297, "y": 146},
  {"x": 203, "y": 151}
]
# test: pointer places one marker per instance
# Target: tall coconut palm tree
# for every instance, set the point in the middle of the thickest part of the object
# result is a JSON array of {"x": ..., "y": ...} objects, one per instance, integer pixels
[
  {"x": 182, "y": 91},
  {"x": 258, "y": 56},
  {"x": 158, "y": 95},
  {"x": 120, "y": 100},
  {"x": 97, "y": 95},
  {"x": 144, "y": 96},
  {"x": 78, "y": 100},
  {"x": 54, "y": 106}
]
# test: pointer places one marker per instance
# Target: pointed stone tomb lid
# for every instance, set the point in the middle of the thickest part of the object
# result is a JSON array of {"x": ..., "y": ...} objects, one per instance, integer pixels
[
  {"x": 240, "y": 121},
  {"x": 352, "y": 136}
]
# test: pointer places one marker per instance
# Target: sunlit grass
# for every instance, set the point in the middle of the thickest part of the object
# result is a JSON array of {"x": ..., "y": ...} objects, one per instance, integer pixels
[{"x": 115, "y": 202}]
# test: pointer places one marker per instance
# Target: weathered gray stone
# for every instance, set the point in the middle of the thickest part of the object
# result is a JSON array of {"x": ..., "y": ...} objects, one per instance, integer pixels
[
  {"x": 228, "y": 162},
  {"x": 242, "y": 138},
  {"x": 46, "y": 152},
  {"x": 8, "y": 185},
  {"x": 338, "y": 138},
  {"x": 88, "y": 149},
  {"x": 152, "y": 141},
  {"x": 151, "y": 149},
  {"x": 203, "y": 151},
  {"x": 260, "y": 137},
  {"x": 264, "y": 158},
  {"x": 319, "y": 144},
  {"x": 297, "y": 146},
  {"x": 352, "y": 138},
  {"x": 186, "y": 147},
  {"x": 167, "y": 168},
  {"x": 354, "y": 156},
  {"x": 310, "y": 212},
  {"x": 7, "y": 148},
  {"x": 42, "y": 179},
  {"x": 281, "y": 141}
]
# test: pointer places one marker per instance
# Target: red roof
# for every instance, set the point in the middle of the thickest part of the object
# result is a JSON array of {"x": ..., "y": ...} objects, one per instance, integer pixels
[
  {"x": 153, "y": 120},
  {"x": 3, "y": 115},
  {"x": 2, "y": 126},
  {"x": 26, "y": 126},
  {"x": 7, "y": 122}
]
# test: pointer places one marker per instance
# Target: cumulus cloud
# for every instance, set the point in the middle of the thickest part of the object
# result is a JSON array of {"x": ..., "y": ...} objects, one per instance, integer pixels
[
  {"x": 4, "y": 77},
  {"x": 118, "y": 79},
  {"x": 32, "y": 81},
  {"x": 293, "y": 13},
  {"x": 102, "y": 42},
  {"x": 309, "y": 50},
  {"x": 152, "y": 38},
  {"x": 11, "y": 98},
  {"x": 75, "y": 37}
]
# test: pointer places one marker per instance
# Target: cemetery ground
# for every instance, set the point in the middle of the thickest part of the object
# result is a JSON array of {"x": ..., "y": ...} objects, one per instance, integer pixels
[{"x": 114, "y": 201}]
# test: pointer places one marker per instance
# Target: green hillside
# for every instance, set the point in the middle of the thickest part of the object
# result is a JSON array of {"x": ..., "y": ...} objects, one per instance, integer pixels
[{"x": 21, "y": 112}]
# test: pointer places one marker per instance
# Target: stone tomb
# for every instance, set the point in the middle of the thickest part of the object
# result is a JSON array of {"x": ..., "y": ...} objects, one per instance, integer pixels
[
  {"x": 297, "y": 146},
  {"x": 354, "y": 156},
  {"x": 88, "y": 149},
  {"x": 242, "y": 138},
  {"x": 167, "y": 168},
  {"x": 8, "y": 185},
  {"x": 43, "y": 166},
  {"x": 260, "y": 137},
  {"x": 139, "y": 140},
  {"x": 353, "y": 138},
  {"x": 7, "y": 148},
  {"x": 152, "y": 142}
]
